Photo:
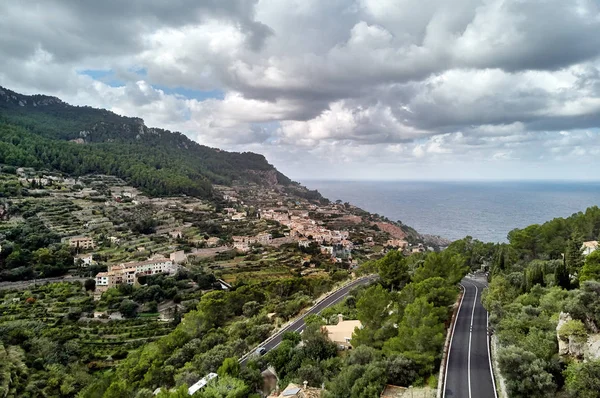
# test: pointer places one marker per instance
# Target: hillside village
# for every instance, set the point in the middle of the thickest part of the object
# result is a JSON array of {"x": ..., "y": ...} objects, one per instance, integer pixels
[
  {"x": 105, "y": 221},
  {"x": 129, "y": 260}
]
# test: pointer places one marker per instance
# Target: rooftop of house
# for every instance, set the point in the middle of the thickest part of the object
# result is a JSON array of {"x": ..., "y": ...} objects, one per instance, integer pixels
[
  {"x": 391, "y": 391},
  {"x": 343, "y": 330},
  {"x": 296, "y": 391},
  {"x": 591, "y": 244}
]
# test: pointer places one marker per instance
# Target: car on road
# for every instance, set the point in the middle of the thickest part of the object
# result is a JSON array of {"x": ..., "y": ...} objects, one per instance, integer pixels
[{"x": 260, "y": 351}]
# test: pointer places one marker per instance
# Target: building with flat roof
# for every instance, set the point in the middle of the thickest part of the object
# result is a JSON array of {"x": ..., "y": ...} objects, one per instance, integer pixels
[{"x": 341, "y": 334}]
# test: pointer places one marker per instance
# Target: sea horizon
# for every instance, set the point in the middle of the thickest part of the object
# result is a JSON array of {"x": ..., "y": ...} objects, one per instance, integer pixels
[{"x": 486, "y": 210}]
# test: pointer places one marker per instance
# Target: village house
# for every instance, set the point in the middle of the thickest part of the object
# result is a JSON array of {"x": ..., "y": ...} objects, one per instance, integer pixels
[
  {"x": 238, "y": 216},
  {"x": 178, "y": 257},
  {"x": 81, "y": 242},
  {"x": 263, "y": 238},
  {"x": 341, "y": 334},
  {"x": 176, "y": 234},
  {"x": 241, "y": 244},
  {"x": 589, "y": 247},
  {"x": 130, "y": 271},
  {"x": 295, "y": 391},
  {"x": 397, "y": 243},
  {"x": 303, "y": 242},
  {"x": 85, "y": 260}
]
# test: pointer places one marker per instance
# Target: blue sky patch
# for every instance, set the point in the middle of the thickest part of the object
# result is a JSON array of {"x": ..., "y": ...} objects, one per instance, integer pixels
[
  {"x": 199, "y": 95},
  {"x": 106, "y": 76}
]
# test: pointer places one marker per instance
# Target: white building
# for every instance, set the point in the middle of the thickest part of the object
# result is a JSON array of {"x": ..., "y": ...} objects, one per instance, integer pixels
[
  {"x": 589, "y": 247},
  {"x": 200, "y": 384}
]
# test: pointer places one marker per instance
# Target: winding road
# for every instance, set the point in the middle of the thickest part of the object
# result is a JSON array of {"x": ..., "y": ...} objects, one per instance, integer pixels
[
  {"x": 298, "y": 324},
  {"x": 469, "y": 367}
]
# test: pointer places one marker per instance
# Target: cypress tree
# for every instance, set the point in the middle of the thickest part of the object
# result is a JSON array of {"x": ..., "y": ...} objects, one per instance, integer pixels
[{"x": 561, "y": 275}]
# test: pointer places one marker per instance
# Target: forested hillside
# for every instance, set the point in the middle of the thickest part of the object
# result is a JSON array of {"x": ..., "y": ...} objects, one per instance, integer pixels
[
  {"x": 44, "y": 132},
  {"x": 538, "y": 275}
]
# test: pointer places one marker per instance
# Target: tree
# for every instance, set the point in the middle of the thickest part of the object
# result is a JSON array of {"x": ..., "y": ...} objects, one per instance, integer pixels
[
  {"x": 583, "y": 379},
  {"x": 13, "y": 371},
  {"x": 591, "y": 268},
  {"x": 525, "y": 374},
  {"x": 574, "y": 255},
  {"x": 225, "y": 387},
  {"x": 393, "y": 270},
  {"x": 128, "y": 308},
  {"x": 316, "y": 344},
  {"x": 561, "y": 275},
  {"x": 251, "y": 308},
  {"x": 230, "y": 367},
  {"x": 445, "y": 264},
  {"x": 401, "y": 371},
  {"x": 372, "y": 311},
  {"x": 499, "y": 293},
  {"x": 89, "y": 284},
  {"x": 420, "y": 334}
]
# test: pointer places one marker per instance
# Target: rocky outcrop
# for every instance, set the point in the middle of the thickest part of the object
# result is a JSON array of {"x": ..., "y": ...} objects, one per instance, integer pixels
[
  {"x": 574, "y": 341},
  {"x": 268, "y": 177},
  {"x": 394, "y": 230},
  {"x": 21, "y": 100}
]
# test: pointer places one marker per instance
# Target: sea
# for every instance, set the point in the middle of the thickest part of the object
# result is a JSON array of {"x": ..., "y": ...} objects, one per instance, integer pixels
[{"x": 484, "y": 210}]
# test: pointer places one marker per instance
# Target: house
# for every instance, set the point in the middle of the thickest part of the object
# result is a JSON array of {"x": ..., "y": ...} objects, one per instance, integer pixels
[
  {"x": 129, "y": 272},
  {"x": 178, "y": 257},
  {"x": 341, "y": 334},
  {"x": 303, "y": 242},
  {"x": 212, "y": 242},
  {"x": 263, "y": 238},
  {"x": 295, "y": 391},
  {"x": 589, "y": 247},
  {"x": 176, "y": 234},
  {"x": 391, "y": 391},
  {"x": 238, "y": 216},
  {"x": 200, "y": 384},
  {"x": 86, "y": 260},
  {"x": 81, "y": 242},
  {"x": 399, "y": 243},
  {"x": 241, "y": 243}
]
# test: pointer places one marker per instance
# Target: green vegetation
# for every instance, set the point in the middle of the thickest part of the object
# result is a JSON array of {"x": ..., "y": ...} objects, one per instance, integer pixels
[
  {"x": 158, "y": 161},
  {"x": 47, "y": 350},
  {"x": 403, "y": 332},
  {"x": 531, "y": 284}
]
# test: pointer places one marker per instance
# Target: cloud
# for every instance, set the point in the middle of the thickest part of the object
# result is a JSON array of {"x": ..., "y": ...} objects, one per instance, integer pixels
[{"x": 371, "y": 84}]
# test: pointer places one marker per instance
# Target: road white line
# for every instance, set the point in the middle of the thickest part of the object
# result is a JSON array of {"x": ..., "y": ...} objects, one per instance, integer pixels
[
  {"x": 470, "y": 338},
  {"x": 490, "y": 355},
  {"x": 451, "y": 337}
]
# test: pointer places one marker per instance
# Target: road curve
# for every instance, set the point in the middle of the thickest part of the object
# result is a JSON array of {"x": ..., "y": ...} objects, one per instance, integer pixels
[
  {"x": 298, "y": 324},
  {"x": 468, "y": 371}
]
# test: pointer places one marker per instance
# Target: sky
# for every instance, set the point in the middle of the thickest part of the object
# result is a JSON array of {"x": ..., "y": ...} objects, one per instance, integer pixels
[{"x": 352, "y": 89}]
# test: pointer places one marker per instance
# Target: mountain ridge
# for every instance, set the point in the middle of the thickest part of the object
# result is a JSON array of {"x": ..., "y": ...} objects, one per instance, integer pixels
[{"x": 134, "y": 149}]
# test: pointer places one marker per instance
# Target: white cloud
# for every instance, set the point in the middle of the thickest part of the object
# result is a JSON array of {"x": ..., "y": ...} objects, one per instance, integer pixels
[{"x": 376, "y": 85}]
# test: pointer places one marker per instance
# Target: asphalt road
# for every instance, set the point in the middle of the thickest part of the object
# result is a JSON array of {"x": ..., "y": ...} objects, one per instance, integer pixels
[
  {"x": 468, "y": 372},
  {"x": 298, "y": 324}
]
